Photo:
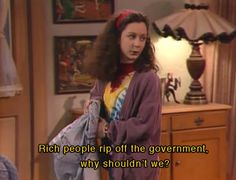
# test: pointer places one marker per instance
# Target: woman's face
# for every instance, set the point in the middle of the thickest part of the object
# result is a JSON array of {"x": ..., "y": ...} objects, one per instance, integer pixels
[{"x": 132, "y": 41}]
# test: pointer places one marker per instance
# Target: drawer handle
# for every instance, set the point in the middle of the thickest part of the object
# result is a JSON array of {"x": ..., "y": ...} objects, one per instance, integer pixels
[
  {"x": 198, "y": 121},
  {"x": 177, "y": 163}
]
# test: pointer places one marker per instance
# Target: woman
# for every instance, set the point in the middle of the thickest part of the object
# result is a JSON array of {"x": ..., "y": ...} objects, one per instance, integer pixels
[{"x": 123, "y": 61}]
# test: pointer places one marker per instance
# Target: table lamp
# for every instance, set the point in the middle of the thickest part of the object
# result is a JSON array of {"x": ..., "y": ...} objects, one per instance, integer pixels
[
  {"x": 9, "y": 81},
  {"x": 197, "y": 24}
]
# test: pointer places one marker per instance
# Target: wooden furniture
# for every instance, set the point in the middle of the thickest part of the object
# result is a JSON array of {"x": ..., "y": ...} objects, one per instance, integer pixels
[
  {"x": 16, "y": 113},
  {"x": 194, "y": 125}
]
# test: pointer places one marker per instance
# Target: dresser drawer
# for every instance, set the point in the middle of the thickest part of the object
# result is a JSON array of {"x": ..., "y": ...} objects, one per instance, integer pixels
[
  {"x": 165, "y": 122},
  {"x": 198, "y": 119}
]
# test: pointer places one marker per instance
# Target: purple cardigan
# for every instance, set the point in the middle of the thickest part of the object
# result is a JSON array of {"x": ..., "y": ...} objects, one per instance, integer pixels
[{"x": 139, "y": 124}]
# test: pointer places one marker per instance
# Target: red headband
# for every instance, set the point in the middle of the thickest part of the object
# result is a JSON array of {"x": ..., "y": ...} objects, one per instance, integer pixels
[{"x": 123, "y": 15}]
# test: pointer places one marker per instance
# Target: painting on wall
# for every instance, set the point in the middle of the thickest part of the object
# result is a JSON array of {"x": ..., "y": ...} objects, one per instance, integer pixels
[
  {"x": 78, "y": 11},
  {"x": 69, "y": 58}
]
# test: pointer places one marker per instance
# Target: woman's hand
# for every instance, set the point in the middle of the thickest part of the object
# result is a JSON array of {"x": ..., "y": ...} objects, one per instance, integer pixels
[{"x": 102, "y": 128}]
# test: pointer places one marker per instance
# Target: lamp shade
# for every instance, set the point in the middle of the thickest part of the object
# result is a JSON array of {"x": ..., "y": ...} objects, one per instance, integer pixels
[
  {"x": 9, "y": 81},
  {"x": 195, "y": 23}
]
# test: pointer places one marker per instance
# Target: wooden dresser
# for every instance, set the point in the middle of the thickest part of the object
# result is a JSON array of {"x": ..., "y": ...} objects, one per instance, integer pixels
[{"x": 194, "y": 125}]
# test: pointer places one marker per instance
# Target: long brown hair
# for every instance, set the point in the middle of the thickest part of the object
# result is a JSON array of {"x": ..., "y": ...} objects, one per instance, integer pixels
[{"x": 103, "y": 60}]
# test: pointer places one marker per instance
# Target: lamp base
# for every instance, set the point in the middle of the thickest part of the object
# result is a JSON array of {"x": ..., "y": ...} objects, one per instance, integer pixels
[
  {"x": 195, "y": 96},
  {"x": 196, "y": 65}
]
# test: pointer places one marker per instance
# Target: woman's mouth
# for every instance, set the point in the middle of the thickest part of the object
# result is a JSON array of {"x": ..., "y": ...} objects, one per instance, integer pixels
[{"x": 134, "y": 52}]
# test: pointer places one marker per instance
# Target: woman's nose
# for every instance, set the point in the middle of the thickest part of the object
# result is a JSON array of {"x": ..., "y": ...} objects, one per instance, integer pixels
[{"x": 137, "y": 42}]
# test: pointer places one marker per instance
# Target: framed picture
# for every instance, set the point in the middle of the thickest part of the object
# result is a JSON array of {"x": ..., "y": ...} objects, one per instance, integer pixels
[
  {"x": 69, "y": 57},
  {"x": 77, "y": 11}
]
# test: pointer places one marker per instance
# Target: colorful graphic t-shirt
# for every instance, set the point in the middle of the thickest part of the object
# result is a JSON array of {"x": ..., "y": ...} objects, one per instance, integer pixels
[{"x": 115, "y": 93}]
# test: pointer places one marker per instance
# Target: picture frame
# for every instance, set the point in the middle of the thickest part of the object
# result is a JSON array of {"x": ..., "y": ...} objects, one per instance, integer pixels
[
  {"x": 69, "y": 53},
  {"x": 81, "y": 11}
]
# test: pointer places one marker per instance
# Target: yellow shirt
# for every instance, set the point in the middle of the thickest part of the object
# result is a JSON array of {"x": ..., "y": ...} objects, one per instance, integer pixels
[{"x": 114, "y": 100}]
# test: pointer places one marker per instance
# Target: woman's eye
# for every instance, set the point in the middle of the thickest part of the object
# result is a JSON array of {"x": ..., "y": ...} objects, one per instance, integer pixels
[
  {"x": 143, "y": 38},
  {"x": 131, "y": 36}
]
